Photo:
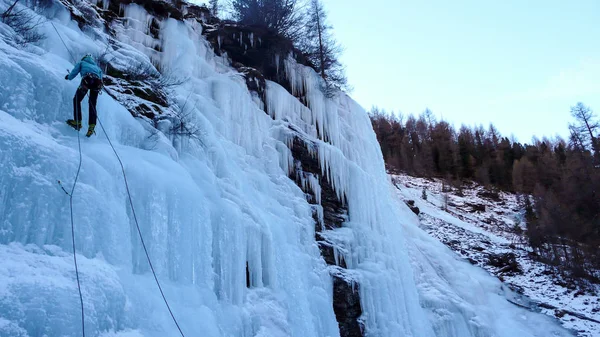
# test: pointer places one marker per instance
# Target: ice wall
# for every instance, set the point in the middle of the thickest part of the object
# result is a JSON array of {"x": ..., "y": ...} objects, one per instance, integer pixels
[
  {"x": 209, "y": 209},
  {"x": 206, "y": 208}
]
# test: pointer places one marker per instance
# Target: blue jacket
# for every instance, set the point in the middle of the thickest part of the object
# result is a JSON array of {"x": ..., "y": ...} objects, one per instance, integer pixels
[{"x": 86, "y": 66}]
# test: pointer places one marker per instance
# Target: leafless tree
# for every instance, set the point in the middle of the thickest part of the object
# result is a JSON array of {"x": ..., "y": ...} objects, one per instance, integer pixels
[
  {"x": 322, "y": 49},
  {"x": 24, "y": 22},
  {"x": 585, "y": 130},
  {"x": 141, "y": 71},
  {"x": 183, "y": 124},
  {"x": 167, "y": 81},
  {"x": 146, "y": 72}
]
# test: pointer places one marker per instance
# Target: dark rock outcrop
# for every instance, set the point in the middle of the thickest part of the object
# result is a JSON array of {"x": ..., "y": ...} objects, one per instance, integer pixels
[
  {"x": 255, "y": 47},
  {"x": 255, "y": 81},
  {"x": 475, "y": 208},
  {"x": 128, "y": 91},
  {"x": 413, "y": 208},
  {"x": 346, "y": 305},
  {"x": 506, "y": 263},
  {"x": 491, "y": 195},
  {"x": 346, "y": 296}
]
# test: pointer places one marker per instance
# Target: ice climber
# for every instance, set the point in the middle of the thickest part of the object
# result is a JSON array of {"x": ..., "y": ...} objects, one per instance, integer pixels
[{"x": 91, "y": 79}]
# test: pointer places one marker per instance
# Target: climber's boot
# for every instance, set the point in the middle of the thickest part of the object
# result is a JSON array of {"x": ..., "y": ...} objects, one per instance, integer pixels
[
  {"x": 91, "y": 130},
  {"x": 74, "y": 124}
]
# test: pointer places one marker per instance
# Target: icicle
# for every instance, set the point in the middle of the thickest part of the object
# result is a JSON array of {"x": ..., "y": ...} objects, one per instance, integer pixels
[
  {"x": 277, "y": 60},
  {"x": 336, "y": 256},
  {"x": 318, "y": 209},
  {"x": 137, "y": 28},
  {"x": 286, "y": 160},
  {"x": 315, "y": 187}
]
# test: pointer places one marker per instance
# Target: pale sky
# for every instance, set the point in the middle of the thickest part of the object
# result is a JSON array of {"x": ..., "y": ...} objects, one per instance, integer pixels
[{"x": 520, "y": 64}]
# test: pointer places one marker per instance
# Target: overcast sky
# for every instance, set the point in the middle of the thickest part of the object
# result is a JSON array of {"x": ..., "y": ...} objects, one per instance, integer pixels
[{"x": 520, "y": 64}]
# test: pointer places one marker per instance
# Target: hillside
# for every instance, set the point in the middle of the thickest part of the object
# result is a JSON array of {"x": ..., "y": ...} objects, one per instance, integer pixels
[
  {"x": 263, "y": 206},
  {"x": 487, "y": 229}
]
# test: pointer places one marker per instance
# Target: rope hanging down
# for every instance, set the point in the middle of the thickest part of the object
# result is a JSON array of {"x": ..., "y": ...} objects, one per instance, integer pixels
[
  {"x": 138, "y": 228},
  {"x": 71, "y": 206},
  {"x": 132, "y": 210},
  {"x": 63, "y": 42},
  {"x": 73, "y": 232}
]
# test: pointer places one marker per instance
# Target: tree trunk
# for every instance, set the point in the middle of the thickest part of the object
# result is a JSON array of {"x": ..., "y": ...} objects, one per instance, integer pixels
[
  {"x": 320, "y": 32},
  {"x": 589, "y": 129}
]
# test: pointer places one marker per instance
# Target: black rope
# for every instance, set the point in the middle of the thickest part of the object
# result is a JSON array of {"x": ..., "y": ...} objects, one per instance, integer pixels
[
  {"x": 139, "y": 230},
  {"x": 132, "y": 210},
  {"x": 73, "y": 230},
  {"x": 78, "y": 122},
  {"x": 70, "y": 194},
  {"x": 63, "y": 41}
]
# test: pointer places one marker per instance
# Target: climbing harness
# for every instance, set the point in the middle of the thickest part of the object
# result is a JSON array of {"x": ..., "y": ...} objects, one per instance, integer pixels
[{"x": 132, "y": 211}]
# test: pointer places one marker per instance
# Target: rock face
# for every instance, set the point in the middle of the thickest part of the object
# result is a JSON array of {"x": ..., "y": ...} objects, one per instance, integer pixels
[
  {"x": 506, "y": 262},
  {"x": 255, "y": 81},
  {"x": 346, "y": 305},
  {"x": 254, "y": 47},
  {"x": 346, "y": 298},
  {"x": 413, "y": 207}
]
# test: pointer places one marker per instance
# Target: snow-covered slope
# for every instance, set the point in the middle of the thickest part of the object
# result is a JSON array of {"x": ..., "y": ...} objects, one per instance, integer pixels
[
  {"x": 208, "y": 207},
  {"x": 485, "y": 228}
]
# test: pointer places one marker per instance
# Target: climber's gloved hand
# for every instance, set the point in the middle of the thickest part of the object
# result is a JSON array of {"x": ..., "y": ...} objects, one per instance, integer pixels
[{"x": 66, "y": 76}]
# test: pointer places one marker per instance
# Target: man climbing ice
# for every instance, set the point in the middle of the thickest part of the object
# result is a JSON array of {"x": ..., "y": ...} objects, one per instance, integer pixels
[{"x": 91, "y": 79}]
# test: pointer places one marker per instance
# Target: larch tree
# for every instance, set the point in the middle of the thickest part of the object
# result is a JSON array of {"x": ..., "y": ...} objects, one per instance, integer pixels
[
  {"x": 585, "y": 130},
  {"x": 322, "y": 49},
  {"x": 563, "y": 218}
]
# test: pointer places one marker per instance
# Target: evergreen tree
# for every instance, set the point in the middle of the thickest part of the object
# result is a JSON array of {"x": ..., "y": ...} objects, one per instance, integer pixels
[
  {"x": 282, "y": 16},
  {"x": 466, "y": 147},
  {"x": 445, "y": 154},
  {"x": 214, "y": 7}
]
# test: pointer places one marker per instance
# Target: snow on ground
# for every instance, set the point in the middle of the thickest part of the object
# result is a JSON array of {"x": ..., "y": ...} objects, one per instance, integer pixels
[
  {"x": 476, "y": 226},
  {"x": 208, "y": 209}
]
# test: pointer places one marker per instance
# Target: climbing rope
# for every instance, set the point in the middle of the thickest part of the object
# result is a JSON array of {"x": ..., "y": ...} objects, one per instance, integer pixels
[
  {"x": 73, "y": 231},
  {"x": 138, "y": 228},
  {"x": 71, "y": 205},
  {"x": 132, "y": 210},
  {"x": 63, "y": 41}
]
